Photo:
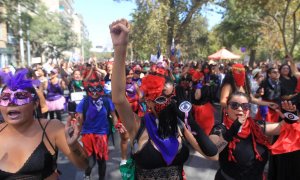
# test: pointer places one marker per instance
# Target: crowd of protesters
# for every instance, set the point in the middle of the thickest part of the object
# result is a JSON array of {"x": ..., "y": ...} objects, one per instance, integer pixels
[{"x": 259, "y": 105}]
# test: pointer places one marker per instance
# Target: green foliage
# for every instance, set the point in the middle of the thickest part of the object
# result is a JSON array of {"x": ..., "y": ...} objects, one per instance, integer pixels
[
  {"x": 158, "y": 22},
  {"x": 269, "y": 26},
  {"x": 10, "y": 15},
  {"x": 51, "y": 33},
  {"x": 87, "y": 45}
]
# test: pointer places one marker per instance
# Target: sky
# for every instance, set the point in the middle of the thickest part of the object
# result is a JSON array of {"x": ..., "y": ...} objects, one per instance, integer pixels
[{"x": 98, "y": 14}]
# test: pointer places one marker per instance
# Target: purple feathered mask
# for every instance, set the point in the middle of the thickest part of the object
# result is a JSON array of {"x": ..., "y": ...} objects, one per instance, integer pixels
[{"x": 18, "y": 80}]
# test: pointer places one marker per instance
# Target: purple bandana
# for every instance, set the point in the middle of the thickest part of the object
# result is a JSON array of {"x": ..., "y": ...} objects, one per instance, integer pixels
[
  {"x": 94, "y": 108},
  {"x": 168, "y": 147},
  {"x": 130, "y": 90}
]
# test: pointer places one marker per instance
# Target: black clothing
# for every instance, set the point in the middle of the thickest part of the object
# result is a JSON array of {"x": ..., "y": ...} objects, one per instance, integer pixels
[
  {"x": 151, "y": 165},
  {"x": 40, "y": 164},
  {"x": 73, "y": 88},
  {"x": 149, "y": 157},
  {"x": 284, "y": 166},
  {"x": 272, "y": 90},
  {"x": 288, "y": 86},
  {"x": 206, "y": 96},
  {"x": 246, "y": 167}
]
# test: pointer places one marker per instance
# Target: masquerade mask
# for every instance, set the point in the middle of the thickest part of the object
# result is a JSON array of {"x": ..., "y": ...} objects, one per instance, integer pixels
[
  {"x": 18, "y": 97},
  {"x": 161, "y": 103},
  {"x": 238, "y": 72},
  {"x": 95, "y": 90},
  {"x": 236, "y": 105}
]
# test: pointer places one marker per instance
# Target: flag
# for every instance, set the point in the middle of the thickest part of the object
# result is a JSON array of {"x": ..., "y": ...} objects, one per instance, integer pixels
[
  {"x": 158, "y": 51},
  {"x": 172, "y": 56},
  {"x": 173, "y": 47}
]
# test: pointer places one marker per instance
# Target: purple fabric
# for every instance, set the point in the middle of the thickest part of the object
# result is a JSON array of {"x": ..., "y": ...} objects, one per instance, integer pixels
[
  {"x": 263, "y": 111},
  {"x": 168, "y": 147},
  {"x": 94, "y": 108},
  {"x": 198, "y": 86},
  {"x": 53, "y": 97},
  {"x": 130, "y": 89},
  {"x": 54, "y": 91}
]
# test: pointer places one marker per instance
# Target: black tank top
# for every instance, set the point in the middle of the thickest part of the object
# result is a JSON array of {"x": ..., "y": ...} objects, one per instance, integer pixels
[
  {"x": 151, "y": 165},
  {"x": 40, "y": 164}
]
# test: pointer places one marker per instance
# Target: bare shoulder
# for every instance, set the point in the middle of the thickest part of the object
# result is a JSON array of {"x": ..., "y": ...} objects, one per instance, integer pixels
[{"x": 52, "y": 126}]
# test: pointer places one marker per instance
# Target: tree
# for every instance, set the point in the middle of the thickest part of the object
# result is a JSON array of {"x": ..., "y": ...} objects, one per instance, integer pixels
[
  {"x": 16, "y": 14},
  {"x": 51, "y": 33},
  {"x": 87, "y": 45},
  {"x": 281, "y": 16},
  {"x": 159, "y": 21}
]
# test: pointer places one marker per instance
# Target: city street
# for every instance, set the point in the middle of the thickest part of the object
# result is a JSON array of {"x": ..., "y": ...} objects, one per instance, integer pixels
[{"x": 196, "y": 168}]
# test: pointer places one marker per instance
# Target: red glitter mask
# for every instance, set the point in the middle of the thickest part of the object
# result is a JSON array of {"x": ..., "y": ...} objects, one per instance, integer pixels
[
  {"x": 239, "y": 74},
  {"x": 161, "y": 103},
  {"x": 95, "y": 88}
]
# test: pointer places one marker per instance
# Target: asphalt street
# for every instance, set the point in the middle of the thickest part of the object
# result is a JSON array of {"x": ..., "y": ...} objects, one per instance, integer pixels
[{"x": 196, "y": 168}]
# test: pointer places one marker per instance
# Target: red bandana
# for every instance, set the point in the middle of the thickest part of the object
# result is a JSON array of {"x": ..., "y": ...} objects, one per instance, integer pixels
[{"x": 249, "y": 127}]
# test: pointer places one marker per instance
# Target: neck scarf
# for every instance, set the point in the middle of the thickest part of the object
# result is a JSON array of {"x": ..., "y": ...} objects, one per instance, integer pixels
[
  {"x": 94, "y": 108},
  {"x": 248, "y": 128},
  {"x": 168, "y": 147},
  {"x": 78, "y": 84}
]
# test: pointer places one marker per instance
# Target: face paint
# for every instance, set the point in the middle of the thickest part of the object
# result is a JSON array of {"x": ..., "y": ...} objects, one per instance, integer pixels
[
  {"x": 95, "y": 90},
  {"x": 238, "y": 72},
  {"x": 18, "y": 97}
]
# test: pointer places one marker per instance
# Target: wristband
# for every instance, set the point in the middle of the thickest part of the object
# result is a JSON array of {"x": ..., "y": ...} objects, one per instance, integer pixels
[{"x": 290, "y": 117}]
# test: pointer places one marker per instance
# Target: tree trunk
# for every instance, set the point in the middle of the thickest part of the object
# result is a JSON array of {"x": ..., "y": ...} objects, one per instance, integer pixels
[
  {"x": 171, "y": 24},
  {"x": 252, "y": 57}
]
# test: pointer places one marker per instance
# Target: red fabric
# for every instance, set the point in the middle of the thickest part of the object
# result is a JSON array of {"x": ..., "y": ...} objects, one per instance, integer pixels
[
  {"x": 191, "y": 71},
  {"x": 96, "y": 144},
  {"x": 161, "y": 71},
  {"x": 204, "y": 116},
  {"x": 289, "y": 139},
  {"x": 239, "y": 74},
  {"x": 248, "y": 128},
  {"x": 272, "y": 116},
  {"x": 297, "y": 90},
  {"x": 206, "y": 70},
  {"x": 152, "y": 86},
  {"x": 197, "y": 75}
]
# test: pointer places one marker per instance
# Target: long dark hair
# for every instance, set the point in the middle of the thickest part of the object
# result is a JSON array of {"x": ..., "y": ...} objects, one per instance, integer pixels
[
  {"x": 290, "y": 70},
  {"x": 168, "y": 119}
]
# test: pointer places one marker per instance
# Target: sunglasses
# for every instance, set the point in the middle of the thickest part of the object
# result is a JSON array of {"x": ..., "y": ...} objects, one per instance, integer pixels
[
  {"x": 236, "y": 105},
  {"x": 18, "y": 98}
]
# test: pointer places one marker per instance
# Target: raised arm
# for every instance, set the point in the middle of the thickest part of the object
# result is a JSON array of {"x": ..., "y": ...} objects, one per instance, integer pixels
[{"x": 119, "y": 31}]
